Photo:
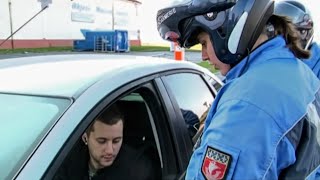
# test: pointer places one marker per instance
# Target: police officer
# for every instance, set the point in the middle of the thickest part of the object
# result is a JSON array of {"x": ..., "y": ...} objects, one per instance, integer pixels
[
  {"x": 264, "y": 122},
  {"x": 302, "y": 19},
  {"x": 300, "y": 15}
]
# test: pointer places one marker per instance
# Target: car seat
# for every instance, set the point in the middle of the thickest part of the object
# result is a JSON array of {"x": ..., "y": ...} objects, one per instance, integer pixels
[{"x": 138, "y": 131}]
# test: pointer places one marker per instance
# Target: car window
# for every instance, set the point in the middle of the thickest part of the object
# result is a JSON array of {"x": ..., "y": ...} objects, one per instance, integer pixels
[
  {"x": 147, "y": 127},
  {"x": 193, "y": 97},
  {"x": 139, "y": 135},
  {"x": 217, "y": 85},
  {"x": 24, "y": 122}
]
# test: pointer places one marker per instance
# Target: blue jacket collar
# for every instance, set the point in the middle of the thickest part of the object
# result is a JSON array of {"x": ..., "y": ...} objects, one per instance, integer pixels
[{"x": 277, "y": 42}]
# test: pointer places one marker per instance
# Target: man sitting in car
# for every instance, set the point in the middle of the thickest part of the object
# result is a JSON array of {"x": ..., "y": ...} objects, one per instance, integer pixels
[{"x": 102, "y": 155}]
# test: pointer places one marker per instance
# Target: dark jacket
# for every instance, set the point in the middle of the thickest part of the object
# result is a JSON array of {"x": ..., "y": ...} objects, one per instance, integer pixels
[{"x": 129, "y": 164}]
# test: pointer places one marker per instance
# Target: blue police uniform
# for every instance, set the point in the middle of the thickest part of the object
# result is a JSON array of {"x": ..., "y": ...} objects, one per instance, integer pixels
[
  {"x": 264, "y": 122},
  {"x": 313, "y": 61}
]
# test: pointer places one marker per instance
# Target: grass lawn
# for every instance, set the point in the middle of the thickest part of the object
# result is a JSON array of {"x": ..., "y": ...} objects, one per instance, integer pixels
[
  {"x": 206, "y": 64},
  {"x": 35, "y": 50},
  {"x": 143, "y": 48},
  {"x": 151, "y": 48},
  {"x": 69, "y": 49},
  {"x": 196, "y": 48}
]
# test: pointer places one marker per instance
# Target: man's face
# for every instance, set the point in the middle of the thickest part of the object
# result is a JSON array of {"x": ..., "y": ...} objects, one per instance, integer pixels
[
  {"x": 104, "y": 143},
  {"x": 209, "y": 54}
]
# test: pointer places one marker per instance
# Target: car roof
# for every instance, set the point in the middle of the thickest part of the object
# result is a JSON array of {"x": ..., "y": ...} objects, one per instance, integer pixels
[{"x": 70, "y": 75}]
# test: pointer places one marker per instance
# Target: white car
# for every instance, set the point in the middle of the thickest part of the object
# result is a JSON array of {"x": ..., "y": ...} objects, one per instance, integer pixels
[{"x": 47, "y": 102}]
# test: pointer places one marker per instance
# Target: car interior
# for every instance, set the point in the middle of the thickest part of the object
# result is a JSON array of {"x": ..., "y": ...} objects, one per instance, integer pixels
[{"x": 138, "y": 131}]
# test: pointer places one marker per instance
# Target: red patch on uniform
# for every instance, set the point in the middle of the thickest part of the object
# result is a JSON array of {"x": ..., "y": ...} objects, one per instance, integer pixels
[{"x": 215, "y": 164}]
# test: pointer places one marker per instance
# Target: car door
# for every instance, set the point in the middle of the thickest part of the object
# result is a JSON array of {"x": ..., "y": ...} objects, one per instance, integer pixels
[
  {"x": 163, "y": 127},
  {"x": 191, "y": 95},
  {"x": 143, "y": 100}
]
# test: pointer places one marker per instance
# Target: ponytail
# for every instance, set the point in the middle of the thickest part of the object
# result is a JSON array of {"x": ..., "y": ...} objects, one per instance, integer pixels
[{"x": 283, "y": 26}]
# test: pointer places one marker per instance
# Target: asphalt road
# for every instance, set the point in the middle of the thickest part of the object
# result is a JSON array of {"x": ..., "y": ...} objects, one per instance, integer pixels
[{"x": 189, "y": 56}]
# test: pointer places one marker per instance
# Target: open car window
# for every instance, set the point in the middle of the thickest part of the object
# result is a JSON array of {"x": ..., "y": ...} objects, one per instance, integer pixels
[{"x": 144, "y": 131}]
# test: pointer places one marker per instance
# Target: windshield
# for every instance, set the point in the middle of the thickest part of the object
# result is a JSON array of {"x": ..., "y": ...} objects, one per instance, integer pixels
[{"x": 24, "y": 122}]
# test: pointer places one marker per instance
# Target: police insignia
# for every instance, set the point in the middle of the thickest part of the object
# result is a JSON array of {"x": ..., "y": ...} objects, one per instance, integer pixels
[{"x": 215, "y": 164}]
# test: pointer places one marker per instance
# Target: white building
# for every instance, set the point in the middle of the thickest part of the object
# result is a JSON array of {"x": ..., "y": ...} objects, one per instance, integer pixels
[{"x": 63, "y": 21}]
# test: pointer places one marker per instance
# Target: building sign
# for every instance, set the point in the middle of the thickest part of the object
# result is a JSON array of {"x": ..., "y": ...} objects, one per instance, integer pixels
[
  {"x": 83, "y": 12},
  {"x": 106, "y": 15},
  {"x": 125, "y": 18},
  {"x": 103, "y": 19}
]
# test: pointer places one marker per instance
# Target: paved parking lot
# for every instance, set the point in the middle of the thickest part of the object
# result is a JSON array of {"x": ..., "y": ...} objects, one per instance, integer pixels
[{"x": 189, "y": 56}]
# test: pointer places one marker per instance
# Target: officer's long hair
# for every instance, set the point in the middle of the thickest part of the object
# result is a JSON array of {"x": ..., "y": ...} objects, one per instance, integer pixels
[{"x": 284, "y": 26}]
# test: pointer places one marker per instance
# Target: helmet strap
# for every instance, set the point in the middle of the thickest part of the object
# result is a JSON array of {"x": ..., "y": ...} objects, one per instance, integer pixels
[{"x": 309, "y": 42}]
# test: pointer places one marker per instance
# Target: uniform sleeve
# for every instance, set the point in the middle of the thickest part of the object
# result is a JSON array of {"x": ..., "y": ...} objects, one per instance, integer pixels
[{"x": 239, "y": 142}]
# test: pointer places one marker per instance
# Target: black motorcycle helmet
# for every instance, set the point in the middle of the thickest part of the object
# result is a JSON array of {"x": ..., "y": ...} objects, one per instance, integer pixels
[
  {"x": 233, "y": 25},
  {"x": 300, "y": 16}
]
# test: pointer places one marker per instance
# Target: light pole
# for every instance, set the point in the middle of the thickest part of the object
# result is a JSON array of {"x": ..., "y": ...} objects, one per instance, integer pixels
[
  {"x": 45, "y": 7},
  {"x": 11, "y": 28},
  {"x": 112, "y": 14}
]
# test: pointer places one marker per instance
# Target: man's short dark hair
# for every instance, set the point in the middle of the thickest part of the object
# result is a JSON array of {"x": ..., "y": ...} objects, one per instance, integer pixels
[{"x": 110, "y": 116}]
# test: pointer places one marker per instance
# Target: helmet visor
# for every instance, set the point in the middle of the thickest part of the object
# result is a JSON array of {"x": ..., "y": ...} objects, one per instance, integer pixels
[
  {"x": 171, "y": 20},
  {"x": 299, "y": 17}
]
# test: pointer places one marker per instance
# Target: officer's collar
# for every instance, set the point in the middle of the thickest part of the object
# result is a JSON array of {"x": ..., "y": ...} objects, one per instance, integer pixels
[{"x": 238, "y": 70}]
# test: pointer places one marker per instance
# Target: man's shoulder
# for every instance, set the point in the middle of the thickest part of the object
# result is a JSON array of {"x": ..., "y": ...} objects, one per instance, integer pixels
[
  {"x": 127, "y": 150},
  {"x": 133, "y": 153},
  {"x": 133, "y": 163},
  {"x": 75, "y": 165}
]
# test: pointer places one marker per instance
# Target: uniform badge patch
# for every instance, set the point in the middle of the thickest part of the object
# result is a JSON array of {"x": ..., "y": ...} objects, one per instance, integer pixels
[{"x": 215, "y": 164}]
